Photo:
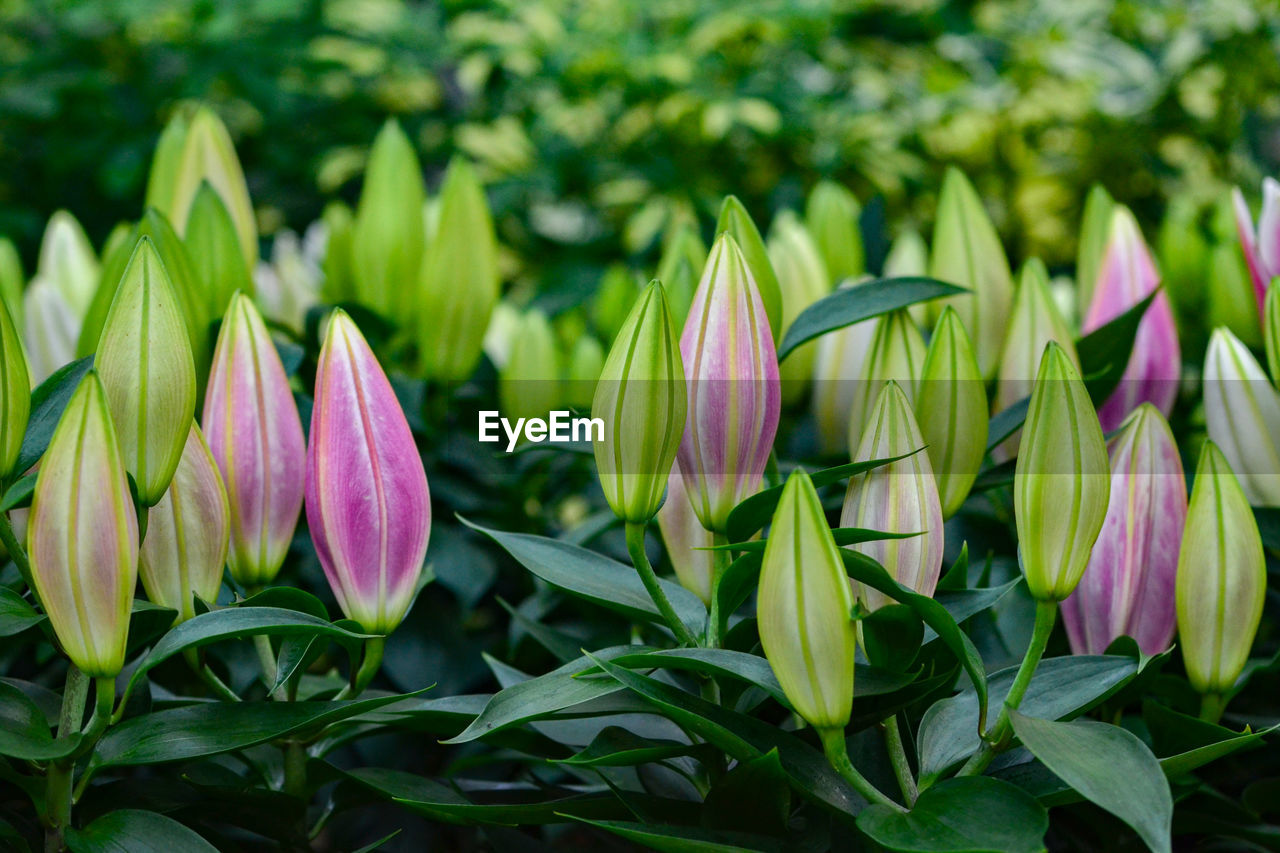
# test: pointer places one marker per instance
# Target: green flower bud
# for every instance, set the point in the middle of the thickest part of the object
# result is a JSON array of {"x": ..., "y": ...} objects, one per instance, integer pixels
[
  {"x": 680, "y": 269},
  {"x": 832, "y": 214},
  {"x": 1222, "y": 577},
  {"x": 529, "y": 384},
  {"x": 339, "y": 262},
  {"x": 215, "y": 253},
  {"x": 1095, "y": 231},
  {"x": 1062, "y": 481},
  {"x": 804, "y": 280},
  {"x": 15, "y": 392},
  {"x": 641, "y": 397},
  {"x": 1183, "y": 251},
  {"x": 12, "y": 280},
  {"x": 614, "y": 297},
  {"x": 897, "y": 352},
  {"x": 459, "y": 283},
  {"x": 145, "y": 364},
  {"x": 586, "y": 361},
  {"x": 389, "y": 227},
  {"x": 967, "y": 252},
  {"x": 1231, "y": 299},
  {"x": 735, "y": 221},
  {"x": 194, "y": 150},
  {"x": 804, "y": 609},
  {"x": 909, "y": 256},
  {"x": 67, "y": 261},
  {"x": 951, "y": 407},
  {"x": 1271, "y": 332}
]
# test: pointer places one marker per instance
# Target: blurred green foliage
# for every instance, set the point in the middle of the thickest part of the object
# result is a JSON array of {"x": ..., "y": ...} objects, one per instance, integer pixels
[{"x": 596, "y": 123}]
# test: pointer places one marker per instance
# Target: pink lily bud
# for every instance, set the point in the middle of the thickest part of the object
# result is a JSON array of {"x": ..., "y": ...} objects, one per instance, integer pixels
[
  {"x": 1261, "y": 247},
  {"x": 251, "y": 423},
  {"x": 367, "y": 501},
  {"x": 82, "y": 535},
  {"x": 686, "y": 539},
  {"x": 1128, "y": 586},
  {"x": 1126, "y": 276},
  {"x": 735, "y": 396}
]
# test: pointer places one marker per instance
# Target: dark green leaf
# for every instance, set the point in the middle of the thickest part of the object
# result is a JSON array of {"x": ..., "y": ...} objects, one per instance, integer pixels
[
  {"x": 752, "y": 797},
  {"x": 1006, "y": 422},
  {"x": 739, "y": 581},
  {"x": 850, "y": 305},
  {"x": 24, "y": 731},
  {"x": 973, "y": 813},
  {"x": 891, "y": 637},
  {"x": 1110, "y": 767},
  {"x": 19, "y": 494},
  {"x": 16, "y": 614},
  {"x": 618, "y": 747},
  {"x": 965, "y": 603},
  {"x": 136, "y": 831},
  {"x": 47, "y": 404},
  {"x": 595, "y": 577},
  {"x": 842, "y": 535},
  {"x": 684, "y": 839},
  {"x": 1104, "y": 352}
]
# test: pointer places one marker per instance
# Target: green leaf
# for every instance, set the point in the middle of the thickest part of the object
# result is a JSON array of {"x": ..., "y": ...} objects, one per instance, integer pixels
[
  {"x": 739, "y": 580},
  {"x": 136, "y": 831},
  {"x": 16, "y": 614},
  {"x": 752, "y": 514},
  {"x": 866, "y": 570},
  {"x": 1110, "y": 767},
  {"x": 842, "y": 535},
  {"x": 180, "y": 734},
  {"x": 1006, "y": 422},
  {"x": 850, "y": 305},
  {"x": 891, "y": 637},
  {"x": 684, "y": 839},
  {"x": 19, "y": 494},
  {"x": 973, "y": 813},
  {"x": 595, "y": 577},
  {"x": 615, "y": 746},
  {"x": 1104, "y": 352},
  {"x": 752, "y": 797},
  {"x": 24, "y": 730},
  {"x": 237, "y": 622},
  {"x": 1185, "y": 743},
  {"x": 1061, "y": 687},
  {"x": 47, "y": 404},
  {"x": 963, "y": 604}
]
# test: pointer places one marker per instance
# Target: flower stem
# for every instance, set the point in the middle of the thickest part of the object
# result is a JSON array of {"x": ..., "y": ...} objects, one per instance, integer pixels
[
  {"x": 208, "y": 676},
  {"x": 266, "y": 658},
  {"x": 833, "y": 745},
  {"x": 1211, "y": 707},
  {"x": 721, "y": 559},
  {"x": 58, "y": 775},
  {"x": 295, "y": 768},
  {"x": 16, "y": 552},
  {"x": 635, "y": 547},
  {"x": 898, "y": 758},
  {"x": 369, "y": 665},
  {"x": 997, "y": 737}
]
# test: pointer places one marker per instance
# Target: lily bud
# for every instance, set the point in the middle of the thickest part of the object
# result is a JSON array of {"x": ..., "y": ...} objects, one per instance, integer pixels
[
  {"x": 642, "y": 398},
  {"x": 368, "y": 506},
  {"x": 679, "y": 268},
  {"x": 909, "y": 256},
  {"x": 1127, "y": 276},
  {"x": 804, "y": 609},
  {"x": 12, "y": 280},
  {"x": 185, "y": 548},
  {"x": 67, "y": 261},
  {"x": 1230, "y": 296},
  {"x": 586, "y": 361},
  {"x": 529, "y": 383},
  {"x": 1271, "y": 332},
  {"x": 289, "y": 286},
  {"x": 144, "y": 361},
  {"x": 688, "y": 542},
  {"x": 734, "y": 395},
  {"x": 1128, "y": 587},
  {"x": 389, "y": 228},
  {"x": 951, "y": 410},
  {"x": 339, "y": 261},
  {"x": 1261, "y": 247},
  {"x": 804, "y": 280},
  {"x": 967, "y": 252},
  {"x": 1242, "y": 411},
  {"x": 214, "y": 249},
  {"x": 839, "y": 361},
  {"x": 15, "y": 393},
  {"x": 1095, "y": 232},
  {"x": 616, "y": 293},
  {"x": 1222, "y": 577},
  {"x": 50, "y": 330},
  {"x": 832, "y": 215},
  {"x": 736, "y": 222},
  {"x": 459, "y": 281},
  {"x": 897, "y": 352},
  {"x": 193, "y": 151},
  {"x": 1061, "y": 485},
  {"x": 82, "y": 535},
  {"x": 901, "y": 497},
  {"x": 1035, "y": 321},
  {"x": 251, "y": 423}
]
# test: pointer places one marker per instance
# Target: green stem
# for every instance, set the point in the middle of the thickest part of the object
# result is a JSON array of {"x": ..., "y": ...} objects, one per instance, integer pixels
[
  {"x": 58, "y": 775},
  {"x": 833, "y": 745},
  {"x": 1211, "y": 707},
  {"x": 998, "y": 736},
  {"x": 635, "y": 547},
  {"x": 266, "y": 658},
  {"x": 898, "y": 758},
  {"x": 369, "y": 665},
  {"x": 295, "y": 768},
  {"x": 208, "y": 676},
  {"x": 721, "y": 559},
  {"x": 16, "y": 552}
]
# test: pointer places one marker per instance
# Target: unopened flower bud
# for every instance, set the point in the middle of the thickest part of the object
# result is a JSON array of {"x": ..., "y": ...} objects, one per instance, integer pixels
[
  {"x": 897, "y": 353},
  {"x": 804, "y": 280},
  {"x": 832, "y": 214},
  {"x": 737, "y": 223},
  {"x": 1242, "y": 411},
  {"x": 389, "y": 228}
]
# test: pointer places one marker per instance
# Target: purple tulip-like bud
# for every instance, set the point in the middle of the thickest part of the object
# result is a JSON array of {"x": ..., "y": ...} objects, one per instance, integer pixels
[
  {"x": 1126, "y": 276},
  {"x": 1128, "y": 587},
  {"x": 1261, "y": 247},
  {"x": 367, "y": 501},
  {"x": 251, "y": 423},
  {"x": 734, "y": 391}
]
